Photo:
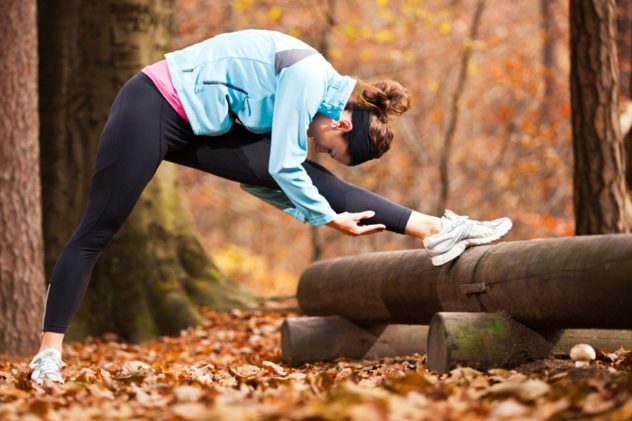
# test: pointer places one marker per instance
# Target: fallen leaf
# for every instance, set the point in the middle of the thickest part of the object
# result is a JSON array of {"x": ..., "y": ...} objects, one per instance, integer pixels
[{"x": 528, "y": 390}]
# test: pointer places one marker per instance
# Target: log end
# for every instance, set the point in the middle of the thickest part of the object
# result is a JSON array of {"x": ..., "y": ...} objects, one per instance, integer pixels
[{"x": 438, "y": 347}]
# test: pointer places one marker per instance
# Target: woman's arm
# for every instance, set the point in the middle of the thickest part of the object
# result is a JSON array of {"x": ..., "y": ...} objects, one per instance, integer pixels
[
  {"x": 300, "y": 89},
  {"x": 345, "y": 222}
]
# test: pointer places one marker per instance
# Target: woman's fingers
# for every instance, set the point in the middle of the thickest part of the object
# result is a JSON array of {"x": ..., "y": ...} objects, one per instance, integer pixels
[
  {"x": 347, "y": 223},
  {"x": 364, "y": 215},
  {"x": 370, "y": 229}
]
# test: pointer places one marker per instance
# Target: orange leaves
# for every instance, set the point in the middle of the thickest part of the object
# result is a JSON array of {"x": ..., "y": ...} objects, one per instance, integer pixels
[
  {"x": 140, "y": 382},
  {"x": 558, "y": 226}
]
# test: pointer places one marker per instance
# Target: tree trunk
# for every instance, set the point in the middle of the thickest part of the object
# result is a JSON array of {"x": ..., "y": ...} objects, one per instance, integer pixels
[
  {"x": 599, "y": 185},
  {"x": 557, "y": 283},
  {"x": 455, "y": 109},
  {"x": 624, "y": 49},
  {"x": 318, "y": 242},
  {"x": 624, "y": 46},
  {"x": 147, "y": 280},
  {"x": 21, "y": 248},
  {"x": 550, "y": 62}
]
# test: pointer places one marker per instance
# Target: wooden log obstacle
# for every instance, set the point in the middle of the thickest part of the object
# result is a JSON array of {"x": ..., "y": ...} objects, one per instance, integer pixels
[{"x": 548, "y": 287}]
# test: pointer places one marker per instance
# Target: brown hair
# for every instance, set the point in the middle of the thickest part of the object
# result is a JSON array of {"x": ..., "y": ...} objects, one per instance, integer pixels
[{"x": 384, "y": 99}]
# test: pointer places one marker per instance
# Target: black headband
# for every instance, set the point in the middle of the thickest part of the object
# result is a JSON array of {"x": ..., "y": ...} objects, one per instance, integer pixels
[{"x": 361, "y": 146}]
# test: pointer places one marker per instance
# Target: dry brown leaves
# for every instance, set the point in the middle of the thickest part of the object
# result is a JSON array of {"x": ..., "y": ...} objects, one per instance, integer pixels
[{"x": 229, "y": 369}]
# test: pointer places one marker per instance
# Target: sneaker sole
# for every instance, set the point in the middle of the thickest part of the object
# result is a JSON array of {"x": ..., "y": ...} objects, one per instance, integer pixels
[{"x": 460, "y": 247}]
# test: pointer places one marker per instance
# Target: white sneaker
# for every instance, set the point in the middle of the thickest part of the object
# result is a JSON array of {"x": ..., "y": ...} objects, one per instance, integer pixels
[
  {"x": 460, "y": 232},
  {"x": 47, "y": 363}
]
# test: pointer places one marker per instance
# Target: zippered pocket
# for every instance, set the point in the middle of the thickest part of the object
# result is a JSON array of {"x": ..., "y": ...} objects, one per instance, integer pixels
[
  {"x": 245, "y": 103},
  {"x": 228, "y": 85}
]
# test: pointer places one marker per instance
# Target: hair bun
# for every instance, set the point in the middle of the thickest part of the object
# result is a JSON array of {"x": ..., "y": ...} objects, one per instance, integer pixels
[{"x": 385, "y": 98}]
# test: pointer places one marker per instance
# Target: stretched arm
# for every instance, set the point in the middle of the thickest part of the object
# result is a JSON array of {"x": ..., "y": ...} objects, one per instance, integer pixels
[
  {"x": 346, "y": 222},
  {"x": 300, "y": 89}
]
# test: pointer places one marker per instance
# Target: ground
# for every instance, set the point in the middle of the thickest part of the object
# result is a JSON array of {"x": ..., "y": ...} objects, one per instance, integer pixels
[{"x": 229, "y": 368}]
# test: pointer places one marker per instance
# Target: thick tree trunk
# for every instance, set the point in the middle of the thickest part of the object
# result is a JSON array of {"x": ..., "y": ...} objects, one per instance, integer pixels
[
  {"x": 599, "y": 186},
  {"x": 21, "y": 248},
  {"x": 558, "y": 283},
  {"x": 152, "y": 273},
  {"x": 624, "y": 50}
]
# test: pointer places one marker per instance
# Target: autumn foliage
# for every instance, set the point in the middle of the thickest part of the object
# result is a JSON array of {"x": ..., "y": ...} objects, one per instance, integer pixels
[
  {"x": 507, "y": 158},
  {"x": 229, "y": 369}
]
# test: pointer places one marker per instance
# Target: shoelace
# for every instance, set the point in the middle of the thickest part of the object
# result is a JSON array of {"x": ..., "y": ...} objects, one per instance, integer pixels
[
  {"x": 48, "y": 364},
  {"x": 456, "y": 220}
]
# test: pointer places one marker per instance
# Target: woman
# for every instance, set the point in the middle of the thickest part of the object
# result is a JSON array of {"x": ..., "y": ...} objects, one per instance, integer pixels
[{"x": 279, "y": 91}]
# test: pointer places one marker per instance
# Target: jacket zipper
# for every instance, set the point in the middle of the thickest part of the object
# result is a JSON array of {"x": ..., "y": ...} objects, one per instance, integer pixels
[
  {"x": 238, "y": 89},
  {"x": 217, "y": 82}
]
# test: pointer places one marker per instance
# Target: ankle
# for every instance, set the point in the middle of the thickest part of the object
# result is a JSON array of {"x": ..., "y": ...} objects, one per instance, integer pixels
[
  {"x": 52, "y": 340},
  {"x": 422, "y": 226},
  {"x": 44, "y": 347}
]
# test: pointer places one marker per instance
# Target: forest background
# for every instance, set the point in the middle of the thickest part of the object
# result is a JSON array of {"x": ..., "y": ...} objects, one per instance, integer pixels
[{"x": 491, "y": 108}]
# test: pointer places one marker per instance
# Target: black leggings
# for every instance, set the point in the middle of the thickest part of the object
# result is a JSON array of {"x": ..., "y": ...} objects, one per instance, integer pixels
[{"x": 142, "y": 129}]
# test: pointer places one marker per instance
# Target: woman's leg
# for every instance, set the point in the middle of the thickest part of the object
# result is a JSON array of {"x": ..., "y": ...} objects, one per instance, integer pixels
[
  {"x": 131, "y": 147},
  {"x": 243, "y": 157}
]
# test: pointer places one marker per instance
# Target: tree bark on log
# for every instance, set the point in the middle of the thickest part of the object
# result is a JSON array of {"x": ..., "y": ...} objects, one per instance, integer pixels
[
  {"x": 310, "y": 339},
  {"x": 487, "y": 340},
  {"x": 557, "y": 283},
  {"x": 481, "y": 341},
  {"x": 608, "y": 340}
]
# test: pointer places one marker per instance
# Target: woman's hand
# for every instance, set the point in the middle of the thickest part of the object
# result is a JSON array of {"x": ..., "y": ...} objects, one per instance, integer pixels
[{"x": 347, "y": 223}]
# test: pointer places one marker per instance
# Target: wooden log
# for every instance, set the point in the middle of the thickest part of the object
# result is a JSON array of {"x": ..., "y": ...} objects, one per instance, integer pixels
[
  {"x": 607, "y": 340},
  {"x": 487, "y": 340},
  {"x": 557, "y": 283},
  {"x": 310, "y": 339},
  {"x": 481, "y": 341}
]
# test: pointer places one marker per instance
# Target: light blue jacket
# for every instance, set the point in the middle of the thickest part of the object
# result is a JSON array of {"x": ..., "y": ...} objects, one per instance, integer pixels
[{"x": 273, "y": 83}]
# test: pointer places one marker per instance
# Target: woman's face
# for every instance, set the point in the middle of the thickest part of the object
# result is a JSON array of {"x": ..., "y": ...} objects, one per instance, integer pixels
[{"x": 327, "y": 136}]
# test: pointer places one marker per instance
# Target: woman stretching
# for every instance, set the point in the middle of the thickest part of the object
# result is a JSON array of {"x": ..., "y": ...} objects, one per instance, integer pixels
[{"x": 280, "y": 92}]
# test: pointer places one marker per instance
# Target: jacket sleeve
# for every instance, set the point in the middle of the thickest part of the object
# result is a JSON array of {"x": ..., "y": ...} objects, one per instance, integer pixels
[
  {"x": 274, "y": 197},
  {"x": 300, "y": 90}
]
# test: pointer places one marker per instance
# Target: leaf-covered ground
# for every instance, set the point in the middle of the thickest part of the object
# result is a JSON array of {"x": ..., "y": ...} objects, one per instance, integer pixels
[{"x": 230, "y": 369}]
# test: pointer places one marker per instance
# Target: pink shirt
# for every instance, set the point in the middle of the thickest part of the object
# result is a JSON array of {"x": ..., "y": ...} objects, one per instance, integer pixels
[{"x": 159, "y": 74}]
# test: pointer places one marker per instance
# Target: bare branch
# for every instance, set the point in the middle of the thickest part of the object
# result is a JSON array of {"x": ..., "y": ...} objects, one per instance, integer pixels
[{"x": 455, "y": 107}]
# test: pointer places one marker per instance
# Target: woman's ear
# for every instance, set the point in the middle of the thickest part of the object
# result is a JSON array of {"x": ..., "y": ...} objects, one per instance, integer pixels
[{"x": 344, "y": 125}]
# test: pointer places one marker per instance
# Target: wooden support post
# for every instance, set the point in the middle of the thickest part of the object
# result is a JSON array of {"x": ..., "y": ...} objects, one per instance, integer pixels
[
  {"x": 481, "y": 341},
  {"x": 487, "y": 340},
  {"x": 310, "y": 339}
]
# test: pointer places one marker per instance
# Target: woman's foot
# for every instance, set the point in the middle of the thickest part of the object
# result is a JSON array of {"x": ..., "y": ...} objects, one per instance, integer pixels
[
  {"x": 460, "y": 232},
  {"x": 47, "y": 363}
]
